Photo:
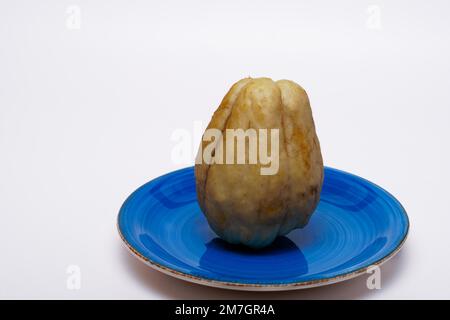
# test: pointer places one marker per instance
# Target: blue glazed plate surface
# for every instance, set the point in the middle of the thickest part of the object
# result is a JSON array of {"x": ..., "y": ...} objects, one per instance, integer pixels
[{"x": 356, "y": 225}]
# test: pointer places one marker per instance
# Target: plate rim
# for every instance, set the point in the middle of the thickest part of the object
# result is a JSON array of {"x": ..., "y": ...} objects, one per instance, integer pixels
[{"x": 261, "y": 286}]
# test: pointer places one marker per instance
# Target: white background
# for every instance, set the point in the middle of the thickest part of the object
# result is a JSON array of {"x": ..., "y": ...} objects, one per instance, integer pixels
[{"x": 87, "y": 116}]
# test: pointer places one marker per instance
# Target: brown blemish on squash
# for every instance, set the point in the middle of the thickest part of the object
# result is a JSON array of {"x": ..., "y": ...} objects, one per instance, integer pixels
[{"x": 305, "y": 149}]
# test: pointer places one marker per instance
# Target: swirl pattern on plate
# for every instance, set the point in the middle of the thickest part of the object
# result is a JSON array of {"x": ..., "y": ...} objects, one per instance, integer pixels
[{"x": 357, "y": 224}]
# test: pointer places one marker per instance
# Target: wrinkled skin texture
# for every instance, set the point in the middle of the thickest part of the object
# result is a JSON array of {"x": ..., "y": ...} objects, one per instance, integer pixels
[{"x": 243, "y": 206}]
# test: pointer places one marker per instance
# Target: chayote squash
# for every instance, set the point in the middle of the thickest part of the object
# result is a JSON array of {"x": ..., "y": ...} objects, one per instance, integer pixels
[{"x": 243, "y": 205}]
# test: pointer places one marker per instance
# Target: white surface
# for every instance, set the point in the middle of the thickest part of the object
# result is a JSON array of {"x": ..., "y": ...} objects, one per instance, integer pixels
[{"x": 86, "y": 116}]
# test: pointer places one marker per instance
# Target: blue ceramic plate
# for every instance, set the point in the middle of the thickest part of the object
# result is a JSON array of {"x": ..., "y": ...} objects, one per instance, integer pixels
[{"x": 356, "y": 225}]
